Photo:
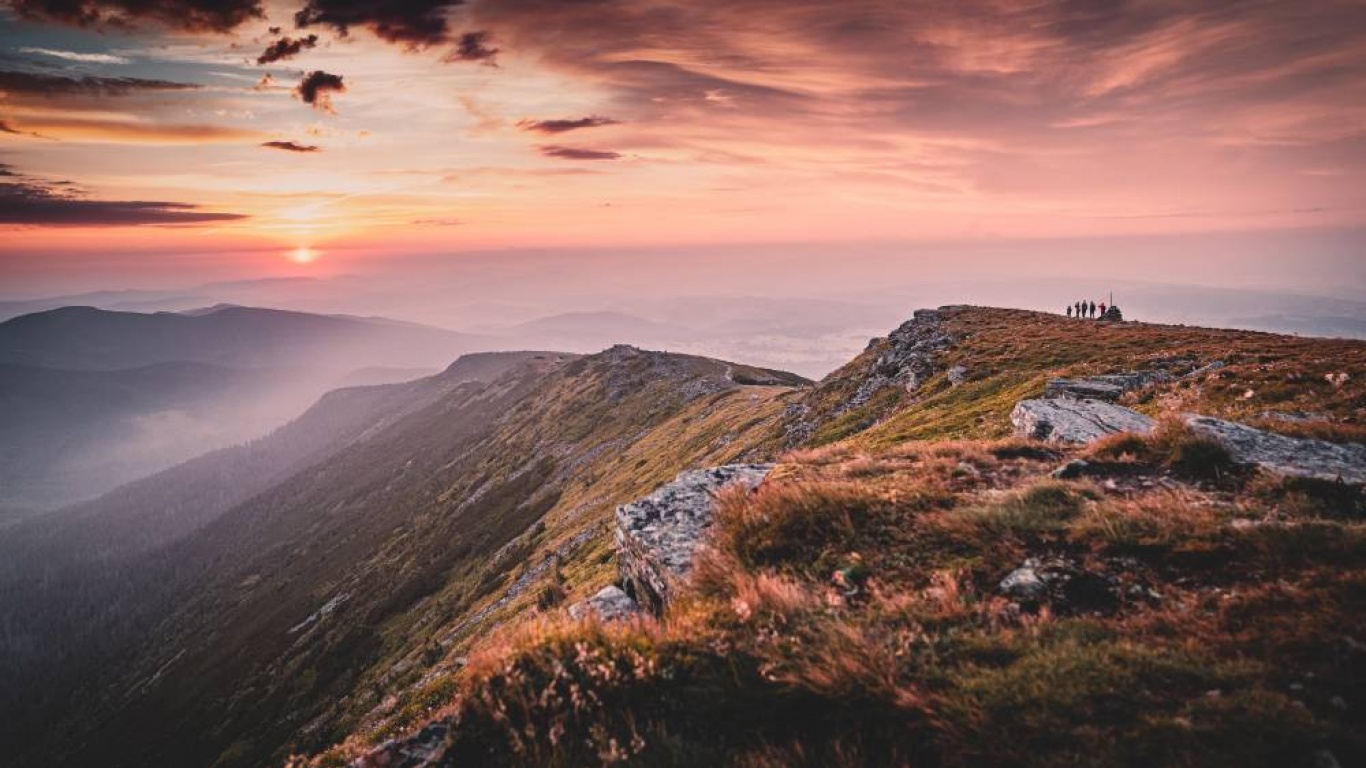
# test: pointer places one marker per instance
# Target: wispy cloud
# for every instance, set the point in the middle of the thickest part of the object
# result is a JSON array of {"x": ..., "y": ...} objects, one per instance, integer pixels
[
  {"x": 565, "y": 125},
  {"x": 44, "y": 84},
  {"x": 85, "y": 58},
  {"x": 577, "y": 153},
  {"x": 113, "y": 129},
  {"x": 25, "y": 200},
  {"x": 474, "y": 46},
  {"x": 290, "y": 146}
]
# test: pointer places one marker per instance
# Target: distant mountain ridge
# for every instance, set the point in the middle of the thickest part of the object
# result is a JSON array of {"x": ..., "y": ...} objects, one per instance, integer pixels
[
  {"x": 101, "y": 398},
  {"x": 70, "y": 434},
  {"x": 86, "y": 338}
]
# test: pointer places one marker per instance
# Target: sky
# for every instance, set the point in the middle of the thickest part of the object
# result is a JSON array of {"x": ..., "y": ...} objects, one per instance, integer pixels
[{"x": 153, "y": 142}]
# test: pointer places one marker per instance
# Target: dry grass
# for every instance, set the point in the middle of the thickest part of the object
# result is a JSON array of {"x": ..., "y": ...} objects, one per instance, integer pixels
[
  {"x": 1013, "y": 353},
  {"x": 1316, "y": 429},
  {"x": 849, "y": 612},
  {"x": 1171, "y": 445},
  {"x": 771, "y": 660}
]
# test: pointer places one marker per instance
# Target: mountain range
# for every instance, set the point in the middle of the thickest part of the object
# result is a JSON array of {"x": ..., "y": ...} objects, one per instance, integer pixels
[
  {"x": 99, "y": 398},
  {"x": 384, "y": 580}
]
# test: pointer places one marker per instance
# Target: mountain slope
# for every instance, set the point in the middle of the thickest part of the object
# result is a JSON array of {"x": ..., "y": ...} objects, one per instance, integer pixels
[
  {"x": 924, "y": 589},
  {"x": 345, "y": 573},
  {"x": 75, "y": 592}
]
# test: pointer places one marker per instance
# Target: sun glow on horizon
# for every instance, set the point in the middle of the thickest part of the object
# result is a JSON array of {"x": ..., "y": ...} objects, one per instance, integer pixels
[{"x": 303, "y": 255}]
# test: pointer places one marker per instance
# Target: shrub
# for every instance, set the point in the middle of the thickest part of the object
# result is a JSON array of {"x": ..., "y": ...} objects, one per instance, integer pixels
[
  {"x": 645, "y": 695},
  {"x": 1123, "y": 446},
  {"x": 1200, "y": 457},
  {"x": 1119, "y": 703},
  {"x": 1189, "y": 455},
  {"x": 1046, "y": 506},
  {"x": 794, "y": 523},
  {"x": 553, "y": 592},
  {"x": 1305, "y": 497},
  {"x": 1163, "y": 520}
]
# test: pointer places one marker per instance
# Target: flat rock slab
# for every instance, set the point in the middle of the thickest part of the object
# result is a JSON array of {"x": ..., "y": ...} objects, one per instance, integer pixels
[
  {"x": 1290, "y": 456},
  {"x": 1109, "y": 386},
  {"x": 1071, "y": 420},
  {"x": 657, "y": 536}
]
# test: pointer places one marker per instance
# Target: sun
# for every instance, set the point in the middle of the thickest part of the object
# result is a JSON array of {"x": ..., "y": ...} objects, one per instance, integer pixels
[{"x": 302, "y": 255}]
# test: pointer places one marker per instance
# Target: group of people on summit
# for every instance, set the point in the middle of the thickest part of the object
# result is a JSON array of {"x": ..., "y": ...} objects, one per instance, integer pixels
[{"x": 1086, "y": 309}]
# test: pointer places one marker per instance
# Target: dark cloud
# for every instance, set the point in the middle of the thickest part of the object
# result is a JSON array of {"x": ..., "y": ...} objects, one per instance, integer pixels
[
  {"x": 290, "y": 146},
  {"x": 414, "y": 23},
  {"x": 563, "y": 126},
  {"x": 28, "y": 201},
  {"x": 43, "y": 84},
  {"x": 286, "y": 48},
  {"x": 474, "y": 46},
  {"x": 577, "y": 153},
  {"x": 190, "y": 15},
  {"x": 317, "y": 88}
]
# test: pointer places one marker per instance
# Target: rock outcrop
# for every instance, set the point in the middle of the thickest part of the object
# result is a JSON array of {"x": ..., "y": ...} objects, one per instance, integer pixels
[
  {"x": 905, "y": 360},
  {"x": 910, "y": 356},
  {"x": 1070, "y": 420},
  {"x": 1294, "y": 457},
  {"x": 419, "y": 749},
  {"x": 658, "y": 535},
  {"x": 1109, "y": 386}
]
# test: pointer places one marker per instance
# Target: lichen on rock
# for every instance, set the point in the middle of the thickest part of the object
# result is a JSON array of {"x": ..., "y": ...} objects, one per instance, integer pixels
[{"x": 658, "y": 536}]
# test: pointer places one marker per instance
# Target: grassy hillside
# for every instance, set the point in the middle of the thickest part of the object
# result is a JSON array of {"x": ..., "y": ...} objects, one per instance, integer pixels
[
  {"x": 851, "y": 615},
  {"x": 917, "y": 589},
  {"x": 78, "y": 584},
  {"x": 326, "y": 599},
  {"x": 1008, "y": 355}
]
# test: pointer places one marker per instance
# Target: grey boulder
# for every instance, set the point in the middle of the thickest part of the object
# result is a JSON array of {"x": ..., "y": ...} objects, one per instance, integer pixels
[
  {"x": 1069, "y": 420},
  {"x": 1289, "y": 456},
  {"x": 658, "y": 536},
  {"x": 609, "y": 604}
]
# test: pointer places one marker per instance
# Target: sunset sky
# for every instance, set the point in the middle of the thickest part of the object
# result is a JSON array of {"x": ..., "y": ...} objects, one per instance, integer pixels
[{"x": 179, "y": 136}]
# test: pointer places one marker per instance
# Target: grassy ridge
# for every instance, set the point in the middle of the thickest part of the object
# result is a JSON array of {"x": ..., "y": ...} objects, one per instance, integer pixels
[
  {"x": 851, "y": 611},
  {"x": 1010, "y": 355}
]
